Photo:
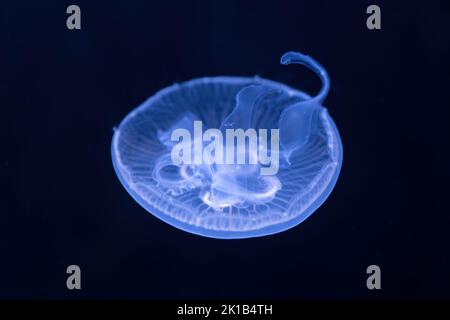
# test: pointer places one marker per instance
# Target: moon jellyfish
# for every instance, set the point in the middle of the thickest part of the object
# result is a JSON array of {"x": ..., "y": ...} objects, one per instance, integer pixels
[{"x": 231, "y": 157}]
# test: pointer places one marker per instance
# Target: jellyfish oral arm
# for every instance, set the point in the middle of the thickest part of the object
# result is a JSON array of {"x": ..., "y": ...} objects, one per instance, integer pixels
[
  {"x": 299, "y": 58},
  {"x": 298, "y": 121}
]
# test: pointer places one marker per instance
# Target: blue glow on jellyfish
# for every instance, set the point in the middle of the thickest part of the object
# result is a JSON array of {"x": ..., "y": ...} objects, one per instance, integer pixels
[{"x": 286, "y": 171}]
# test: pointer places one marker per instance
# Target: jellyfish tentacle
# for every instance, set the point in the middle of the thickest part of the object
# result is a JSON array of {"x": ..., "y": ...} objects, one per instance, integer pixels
[{"x": 299, "y": 58}]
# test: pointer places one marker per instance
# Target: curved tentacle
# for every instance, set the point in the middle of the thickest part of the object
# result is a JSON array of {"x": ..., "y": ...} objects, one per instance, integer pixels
[
  {"x": 298, "y": 121},
  {"x": 299, "y": 58}
]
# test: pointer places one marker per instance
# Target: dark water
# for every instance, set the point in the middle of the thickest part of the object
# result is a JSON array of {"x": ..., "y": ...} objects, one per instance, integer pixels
[{"x": 62, "y": 92}]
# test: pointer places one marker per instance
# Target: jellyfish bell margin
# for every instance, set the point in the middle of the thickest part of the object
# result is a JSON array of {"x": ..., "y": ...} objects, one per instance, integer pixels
[{"x": 231, "y": 201}]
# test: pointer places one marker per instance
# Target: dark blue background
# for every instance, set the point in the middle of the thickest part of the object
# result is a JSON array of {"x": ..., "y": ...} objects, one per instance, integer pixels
[{"x": 62, "y": 92}]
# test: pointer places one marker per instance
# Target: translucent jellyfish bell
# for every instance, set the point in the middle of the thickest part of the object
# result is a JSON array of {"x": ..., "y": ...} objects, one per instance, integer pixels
[{"x": 180, "y": 157}]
